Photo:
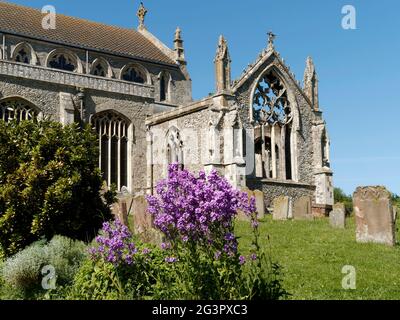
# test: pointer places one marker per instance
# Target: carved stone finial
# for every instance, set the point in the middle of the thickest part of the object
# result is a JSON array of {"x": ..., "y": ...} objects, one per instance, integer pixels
[
  {"x": 271, "y": 39},
  {"x": 222, "y": 66},
  {"x": 311, "y": 83},
  {"x": 178, "y": 46},
  {"x": 141, "y": 14},
  {"x": 178, "y": 34}
]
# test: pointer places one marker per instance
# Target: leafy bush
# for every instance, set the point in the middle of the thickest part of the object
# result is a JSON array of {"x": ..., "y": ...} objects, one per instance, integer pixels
[
  {"x": 341, "y": 197},
  {"x": 49, "y": 183},
  {"x": 119, "y": 268},
  {"x": 23, "y": 271},
  {"x": 199, "y": 258},
  {"x": 196, "y": 215}
]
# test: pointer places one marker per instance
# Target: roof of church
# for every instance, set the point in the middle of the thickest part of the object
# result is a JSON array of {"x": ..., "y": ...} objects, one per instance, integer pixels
[{"x": 80, "y": 33}]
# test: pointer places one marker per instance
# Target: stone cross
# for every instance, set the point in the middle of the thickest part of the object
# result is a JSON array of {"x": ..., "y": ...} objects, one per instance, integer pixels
[
  {"x": 271, "y": 38},
  {"x": 141, "y": 14}
]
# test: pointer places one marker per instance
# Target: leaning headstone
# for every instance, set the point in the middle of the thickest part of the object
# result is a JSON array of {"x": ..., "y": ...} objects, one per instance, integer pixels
[
  {"x": 337, "y": 216},
  {"x": 302, "y": 209},
  {"x": 260, "y": 204},
  {"x": 281, "y": 208},
  {"x": 374, "y": 215}
]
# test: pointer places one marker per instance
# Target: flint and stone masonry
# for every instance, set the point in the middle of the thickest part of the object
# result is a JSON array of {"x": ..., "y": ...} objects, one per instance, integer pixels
[{"x": 263, "y": 131}]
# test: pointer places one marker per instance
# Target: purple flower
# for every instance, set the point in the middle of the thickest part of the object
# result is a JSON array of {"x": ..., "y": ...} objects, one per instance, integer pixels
[
  {"x": 146, "y": 251},
  {"x": 200, "y": 208},
  {"x": 115, "y": 244},
  {"x": 242, "y": 260},
  {"x": 171, "y": 259},
  {"x": 253, "y": 257}
]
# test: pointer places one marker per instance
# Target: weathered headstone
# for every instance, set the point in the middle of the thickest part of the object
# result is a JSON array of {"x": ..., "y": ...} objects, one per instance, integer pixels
[
  {"x": 120, "y": 212},
  {"x": 281, "y": 208},
  {"x": 337, "y": 216},
  {"x": 302, "y": 209},
  {"x": 142, "y": 220},
  {"x": 260, "y": 204},
  {"x": 374, "y": 215}
]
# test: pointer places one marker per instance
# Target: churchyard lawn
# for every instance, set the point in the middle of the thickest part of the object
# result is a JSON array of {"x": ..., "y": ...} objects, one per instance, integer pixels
[{"x": 313, "y": 255}]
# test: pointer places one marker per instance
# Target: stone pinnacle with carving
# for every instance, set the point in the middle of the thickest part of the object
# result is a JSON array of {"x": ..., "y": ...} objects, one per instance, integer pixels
[
  {"x": 271, "y": 38},
  {"x": 141, "y": 14}
]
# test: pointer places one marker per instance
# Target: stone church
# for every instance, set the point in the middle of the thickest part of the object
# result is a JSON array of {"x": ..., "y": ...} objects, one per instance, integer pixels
[{"x": 262, "y": 131}]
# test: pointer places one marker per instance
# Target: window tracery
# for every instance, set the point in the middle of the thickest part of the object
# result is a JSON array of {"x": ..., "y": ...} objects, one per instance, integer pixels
[{"x": 112, "y": 130}]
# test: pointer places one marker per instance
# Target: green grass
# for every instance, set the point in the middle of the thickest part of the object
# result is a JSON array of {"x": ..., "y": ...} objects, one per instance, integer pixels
[{"x": 312, "y": 255}]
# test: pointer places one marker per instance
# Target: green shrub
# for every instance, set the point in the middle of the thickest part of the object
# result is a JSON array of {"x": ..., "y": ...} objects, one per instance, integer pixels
[
  {"x": 49, "y": 183},
  {"x": 101, "y": 280},
  {"x": 23, "y": 271}
]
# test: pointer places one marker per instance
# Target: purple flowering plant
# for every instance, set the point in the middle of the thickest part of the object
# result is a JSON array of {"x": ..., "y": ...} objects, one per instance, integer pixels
[
  {"x": 196, "y": 214},
  {"x": 114, "y": 244},
  {"x": 198, "y": 209}
]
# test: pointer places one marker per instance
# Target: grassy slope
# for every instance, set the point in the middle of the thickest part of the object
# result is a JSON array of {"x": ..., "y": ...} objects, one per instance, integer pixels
[{"x": 312, "y": 255}]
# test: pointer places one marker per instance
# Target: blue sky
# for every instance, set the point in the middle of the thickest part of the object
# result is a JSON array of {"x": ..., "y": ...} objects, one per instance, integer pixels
[{"x": 359, "y": 70}]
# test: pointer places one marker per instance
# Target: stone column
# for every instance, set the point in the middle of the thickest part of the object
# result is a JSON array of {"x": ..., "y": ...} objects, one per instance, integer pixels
[
  {"x": 234, "y": 165},
  {"x": 273, "y": 152},
  {"x": 149, "y": 160},
  {"x": 283, "y": 154}
]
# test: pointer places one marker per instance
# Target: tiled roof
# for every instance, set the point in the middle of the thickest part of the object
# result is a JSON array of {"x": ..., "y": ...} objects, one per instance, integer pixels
[{"x": 80, "y": 33}]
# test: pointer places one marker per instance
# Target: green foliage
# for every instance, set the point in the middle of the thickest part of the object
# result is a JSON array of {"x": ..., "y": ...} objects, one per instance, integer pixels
[
  {"x": 341, "y": 197},
  {"x": 101, "y": 280},
  {"x": 49, "y": 183},
  {"x": 22, "y": 272},
  {"x": 396, "y": 200}
]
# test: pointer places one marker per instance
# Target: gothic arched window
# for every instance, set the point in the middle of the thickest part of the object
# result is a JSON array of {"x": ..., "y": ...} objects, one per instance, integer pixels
[
  {"x": 164, "y": 86},
  {"x": 133, "y": 74},
  {"x": 273, "y": 117},
  {"x": 270, "y": 101},
  {"x": 100, "y": 68},
  {"x": 174, "y": 146},
  {"x": 63, "y": 61},
  {"x": 17, "y": 109},
  {"x": 112, "y": 130},
  {"x": 22, "y": 56},
  {"x": 23, "y": 53}
]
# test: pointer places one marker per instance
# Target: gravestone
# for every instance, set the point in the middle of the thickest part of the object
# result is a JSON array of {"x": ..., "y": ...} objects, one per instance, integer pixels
[
  {"x": 302, "y": 209},
  {"x": 374, "y": 215},
  {"x": 281, "y": 208},
  {"x": 337, "y": 216},
  {"x": 260, "y": 204},
  {"x": 142, "y": 220},
  {"x": 120, "y": 212}
]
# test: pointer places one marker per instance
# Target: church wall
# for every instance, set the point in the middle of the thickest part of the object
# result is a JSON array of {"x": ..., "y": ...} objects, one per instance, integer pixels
[
  {"x": 304, "y": 146},
  {"x": 180, "y": 90},
  {"x": 193, "y": 130}
]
